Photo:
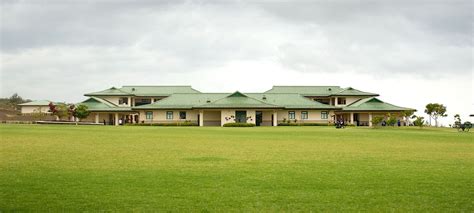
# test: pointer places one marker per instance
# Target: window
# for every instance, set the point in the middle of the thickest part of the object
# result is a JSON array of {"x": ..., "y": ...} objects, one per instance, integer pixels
[
  {"x": 341, "y": 101},
  {"x": 182, "y": 115},
  {"x": 304, "y": 115},
  {"x": 169, "y": 115},
  {"x": 149, "y": 115},
  {"x": 123, "y": 101},
  {"x": 324, "y": 115},
  {"x": 291, "y": 115}
]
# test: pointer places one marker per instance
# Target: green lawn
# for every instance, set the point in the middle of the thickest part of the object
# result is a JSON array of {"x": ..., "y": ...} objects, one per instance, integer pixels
[{"x": 235, "y": 169}]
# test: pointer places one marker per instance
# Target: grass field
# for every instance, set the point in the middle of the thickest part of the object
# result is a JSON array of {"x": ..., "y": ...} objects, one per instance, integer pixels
[{"x": 235, "y": 169}]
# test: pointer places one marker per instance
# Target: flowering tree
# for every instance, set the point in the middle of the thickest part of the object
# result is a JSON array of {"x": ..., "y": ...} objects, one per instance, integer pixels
[{"x": 59, "y": 110}]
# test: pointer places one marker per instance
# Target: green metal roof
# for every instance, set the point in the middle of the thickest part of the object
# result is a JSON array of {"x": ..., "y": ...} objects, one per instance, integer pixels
[
  {"x": 158, "y": 90},
  {"x": 144, "y": 91},
  {"x": 238, "y": 100},
  {"x": 353, "y": 92},
  {"x": 290, "y": 101},
  {"x": 110, "y": 92},
  {"x": 96, "y": 104},
  {"x": 235, "y": 100},
  {"x": 320, "y": 91},
  {"x": 183, "y": 101},
  {"x": 373, "y": 104},
  {"x": 36, "y": 103}
]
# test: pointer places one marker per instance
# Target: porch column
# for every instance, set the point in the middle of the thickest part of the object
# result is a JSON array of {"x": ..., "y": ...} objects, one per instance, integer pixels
[
  {"x": 130, "y": 101},
  {"x": 370, "y": 119},
  {"x": 97, "y": 118},
  {"x": 116, "y": 123},
  {"x": 352, "y": 118},
  {"x": 335, "y": 101},
  {"x": 133, "y": 118},
  {"x": 275, "y": 118},
  {"x": 201, "y": 118},
  {"x": 152, "y": 100}
]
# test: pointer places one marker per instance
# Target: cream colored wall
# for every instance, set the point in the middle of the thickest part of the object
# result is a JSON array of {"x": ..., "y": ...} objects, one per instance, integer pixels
[
  {"x": 102, "y": 116},
  {"x": 251, "y": 114},
  {"x": 34, "y": 109},
  {"x": 115, "y": 100},
  {"x": 226, "y": 116},
  {"x": 349, "y": 100},
  {"x": 159, "y": 116},
  {"x": 228, "y": 113},
  {"x": 314, "y": 116}
]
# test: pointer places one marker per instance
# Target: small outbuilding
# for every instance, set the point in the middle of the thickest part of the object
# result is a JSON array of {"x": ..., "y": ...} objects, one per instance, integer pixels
[{"x": 35, "y": 106}]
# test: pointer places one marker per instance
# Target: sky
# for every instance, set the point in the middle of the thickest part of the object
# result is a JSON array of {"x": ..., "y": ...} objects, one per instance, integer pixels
[{"x": 410, "y": 52}]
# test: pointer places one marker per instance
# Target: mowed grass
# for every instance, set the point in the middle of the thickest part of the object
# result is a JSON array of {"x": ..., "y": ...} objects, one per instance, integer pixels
[{"x": 267, "y": 169}]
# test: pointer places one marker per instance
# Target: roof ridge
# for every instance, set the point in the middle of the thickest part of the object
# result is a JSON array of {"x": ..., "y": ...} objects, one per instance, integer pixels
[{"x": 240, "y": 97}]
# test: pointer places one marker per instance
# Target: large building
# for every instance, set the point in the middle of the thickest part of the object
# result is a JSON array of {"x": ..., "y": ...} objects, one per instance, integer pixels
[{"x": 299, "y": 104}]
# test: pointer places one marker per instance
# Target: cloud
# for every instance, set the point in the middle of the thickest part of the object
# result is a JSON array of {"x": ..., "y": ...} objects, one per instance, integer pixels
[{"x": 84, "y": 46}]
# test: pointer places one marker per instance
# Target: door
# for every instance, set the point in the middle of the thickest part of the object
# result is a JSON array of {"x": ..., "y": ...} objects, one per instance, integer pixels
[
  {"x": 258, "y": 118},
  {"x": 241, "y": 116},
  {"x": 199, "y": 119}
]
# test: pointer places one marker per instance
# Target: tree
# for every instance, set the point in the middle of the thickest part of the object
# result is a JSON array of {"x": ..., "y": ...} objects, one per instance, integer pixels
[
  {"x": 14, "y": 100},
  {"x": 59, "y": 110},
  {"x": 407, "y": 114},
  {"x": 392, "y": 120},
  {"x": 81, "y": 111},
  {"x": 376, "y": 121},
  {"x": 419, "y": 121},
  {"x": 435, "y": 110},
  {"x": 429, "y": 109},
  {"x": 440, "y": 111},
  {"x": 457, "y": 120}
]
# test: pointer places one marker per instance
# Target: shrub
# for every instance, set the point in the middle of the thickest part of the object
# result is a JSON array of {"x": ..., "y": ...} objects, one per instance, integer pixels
[
  {"x": 377, "y": 120},
  {"x": 239, "y": 125},
  {"x": 392, "y": 120},
  {"x": 164, "y": 124},
  {"x": 419, "y": 121}
]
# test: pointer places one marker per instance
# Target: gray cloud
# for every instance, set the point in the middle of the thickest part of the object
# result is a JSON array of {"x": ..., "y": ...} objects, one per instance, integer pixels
[{"x": 89, "y": 45}]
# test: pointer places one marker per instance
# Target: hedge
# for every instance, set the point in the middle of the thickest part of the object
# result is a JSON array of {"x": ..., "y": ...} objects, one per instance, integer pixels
[
  {"x": 304, "y": 124},
  {"x": 239, "y": 125},
  {"x": 163, "y": 124}
]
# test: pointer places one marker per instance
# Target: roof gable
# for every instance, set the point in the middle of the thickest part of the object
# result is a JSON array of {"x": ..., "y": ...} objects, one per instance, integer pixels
[
  {"x": 374, "y": 104},
  {"x": 237, "y": 94},
  {"x": 113, "y": 91},
  {"x": 238, "y": 100},
  {"x": 99, "y": 104}
]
